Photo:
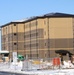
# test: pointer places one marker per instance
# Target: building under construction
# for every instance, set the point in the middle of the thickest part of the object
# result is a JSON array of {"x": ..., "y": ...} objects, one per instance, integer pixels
[{"x": 45, "y": 36}]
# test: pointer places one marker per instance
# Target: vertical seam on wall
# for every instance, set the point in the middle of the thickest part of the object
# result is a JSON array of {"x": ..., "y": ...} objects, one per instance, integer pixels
[
  {"x": 9, "y": 40},
  {"x": 12, "y": 39},
  {"x": 30, "y": 41},
  {"x": 17, "y": 37},
  {"x": 24, "y": 39},
  {"x": 36, "y": 39},
  {"x": 1, "y": 38},
  {"x": 48, "y": 39},
  {"x": 4, "y": 37},
  {"x": 73, "y": 33}
]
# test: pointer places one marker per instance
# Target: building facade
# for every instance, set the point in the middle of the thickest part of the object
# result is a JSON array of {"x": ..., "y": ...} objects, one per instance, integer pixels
[{"x": 40, "y": 36}]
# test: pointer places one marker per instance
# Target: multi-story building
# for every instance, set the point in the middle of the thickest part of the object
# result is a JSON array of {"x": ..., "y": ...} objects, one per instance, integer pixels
[{"x": 40, "y": 36}]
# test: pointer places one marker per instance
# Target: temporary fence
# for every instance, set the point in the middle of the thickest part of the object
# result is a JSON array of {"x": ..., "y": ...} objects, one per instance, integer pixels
[
  {"x": 33, "y": 64},
  {"x": 41, "y": 64}
]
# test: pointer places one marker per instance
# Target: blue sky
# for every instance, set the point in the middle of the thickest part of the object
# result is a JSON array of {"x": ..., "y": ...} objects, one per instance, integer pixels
[{"x": 11, "y": 10}]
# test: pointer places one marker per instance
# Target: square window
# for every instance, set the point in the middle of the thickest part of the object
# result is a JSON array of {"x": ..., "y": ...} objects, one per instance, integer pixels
[{"x": 14, "y": 43}]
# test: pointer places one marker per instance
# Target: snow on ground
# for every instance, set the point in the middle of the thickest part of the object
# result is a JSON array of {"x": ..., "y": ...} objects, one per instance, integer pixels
[{"x": 17, "y": 67}]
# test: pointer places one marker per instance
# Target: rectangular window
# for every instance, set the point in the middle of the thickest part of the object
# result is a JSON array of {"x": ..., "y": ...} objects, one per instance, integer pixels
[
  {"x": 36, "y": 23},
  {"x": 24, "y": 46},
  {"x": 36, "y": 44},
  {"x": 14, "y": 24},
  {"x": 14, "y": 33},
  {"x": 24, "y": 36},
  {"x": 45, "y": 44},
  {"x": 36, "y": 34},
  {"x": 30, "y": 35}
]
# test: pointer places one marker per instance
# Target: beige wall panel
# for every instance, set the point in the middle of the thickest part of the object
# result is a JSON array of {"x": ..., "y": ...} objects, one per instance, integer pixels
[
  {"x": 7, "y": 46},
  {"x": 7, "y": 29},
  {"x": 61, "y": 48},
  {"x": 60, "y": 28},
  {"x": 33, "y": 25},
  {"x": 14, "y": 28},
  {"x": 34, "y": 52},
  {"x": 33, "y": 28},
  {"x": 27, "y": 28},
  {"x": 61, "y": 33},
  {"x": 40, "y": 23},
  {"x": 46, "y": 23},
  {"x": 41, "y": 54},
  {"x": 2, "y": 31},
  {"x": 10, "y": 28},
  {"x": 21, "y": 53},
  {"x": 52, "y": 53},
  {"x": 20, "y": 50},
  {"x": 21, "y": 27},
  {"x": 14, "y": 50},
  {"x": 27, "y": 52},
  {"x": 3, "y": 46},
  {"x": 43, "y": 24}
]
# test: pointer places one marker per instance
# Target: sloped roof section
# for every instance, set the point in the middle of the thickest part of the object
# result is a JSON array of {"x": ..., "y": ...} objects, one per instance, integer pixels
[
  {"x": 42, "y": 16},
  {"x": 50, "y": 15},
  {"x": 58, "y": 15}
]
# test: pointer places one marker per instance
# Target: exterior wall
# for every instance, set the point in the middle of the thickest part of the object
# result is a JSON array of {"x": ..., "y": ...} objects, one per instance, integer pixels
[
  {"x": 60, "y": 28},
  {"x": 13, "y": 38},
  {"x": 39, "y": 38},
  {"x": 33, "y": 35},
  {"x": 61, "y": 33}
]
